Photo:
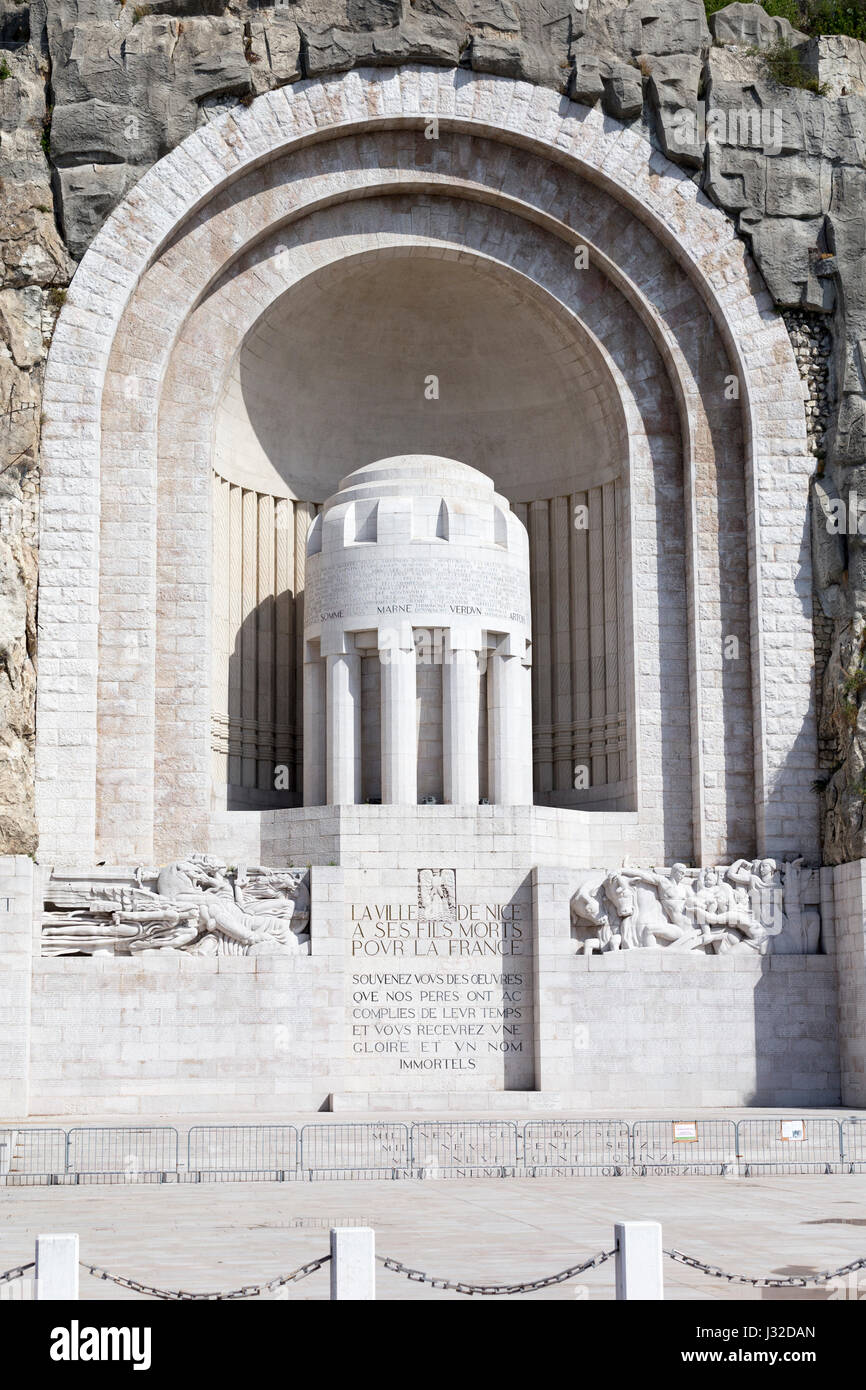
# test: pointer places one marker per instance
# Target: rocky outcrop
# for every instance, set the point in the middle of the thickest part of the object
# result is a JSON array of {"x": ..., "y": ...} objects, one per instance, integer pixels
[
  {"x": 92, "y": 92},
  {"x": 34, "y": 265},
  {"x": 749, "y": 25},
  {"x": 838, "y": 64},
  {"x": 128, "y": 86}
]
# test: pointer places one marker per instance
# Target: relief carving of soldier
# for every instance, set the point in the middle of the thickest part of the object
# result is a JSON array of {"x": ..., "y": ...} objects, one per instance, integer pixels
[
  {"x": 751, "y": 906},
  {"x": 198, "y": 905}
]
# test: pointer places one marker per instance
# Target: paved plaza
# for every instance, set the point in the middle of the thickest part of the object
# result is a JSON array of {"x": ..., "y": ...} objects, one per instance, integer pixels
[{"x": 223, "y": 1235}]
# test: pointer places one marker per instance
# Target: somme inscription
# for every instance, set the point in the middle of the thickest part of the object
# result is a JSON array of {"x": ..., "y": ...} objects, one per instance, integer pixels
[
  {"x": 453, "y": 587},
  {"x": 441, "y": 995}
]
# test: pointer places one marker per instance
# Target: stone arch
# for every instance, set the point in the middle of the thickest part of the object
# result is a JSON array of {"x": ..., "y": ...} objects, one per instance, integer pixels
[
  {"x": 219, "y": 333},
  {"x": 674, "y": 258}
]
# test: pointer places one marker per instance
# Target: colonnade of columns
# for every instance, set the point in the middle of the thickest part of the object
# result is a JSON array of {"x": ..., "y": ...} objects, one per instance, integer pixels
[{"x": 333, "y": 721}]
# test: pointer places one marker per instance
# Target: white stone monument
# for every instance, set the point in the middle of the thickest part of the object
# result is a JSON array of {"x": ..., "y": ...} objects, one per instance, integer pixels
[{"x": 417, "y": 562}]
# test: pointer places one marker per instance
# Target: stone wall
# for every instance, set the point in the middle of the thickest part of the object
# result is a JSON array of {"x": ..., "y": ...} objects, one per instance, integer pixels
[
  {"x": 653, "y": 1028},
  {"x": 849, "y": 890},
  {"x": 177, "y": 1035},
  {"x": 18, "y": 886},
  {"x": 172, "y": 1034},
  {"x": 105, "y": 89}
]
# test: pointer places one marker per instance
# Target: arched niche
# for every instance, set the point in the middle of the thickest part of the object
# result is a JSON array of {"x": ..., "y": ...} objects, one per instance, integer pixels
[{"x": 152, "y": 368}]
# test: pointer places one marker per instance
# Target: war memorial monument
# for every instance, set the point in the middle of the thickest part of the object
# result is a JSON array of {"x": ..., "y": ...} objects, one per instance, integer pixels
[{"x": 432, "y": 588}]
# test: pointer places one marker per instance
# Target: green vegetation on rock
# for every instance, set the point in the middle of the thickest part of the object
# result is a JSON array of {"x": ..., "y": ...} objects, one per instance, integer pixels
[
  {"x": 785, "y": 65},
  {"x": 834, "y": 17},
  {"x": 813, "y": 17}
]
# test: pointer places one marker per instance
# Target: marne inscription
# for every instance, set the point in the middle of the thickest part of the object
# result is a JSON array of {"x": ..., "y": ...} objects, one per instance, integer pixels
[
  {"x": 466, "y": 1008},
  {"x": 453, "y": 585}
]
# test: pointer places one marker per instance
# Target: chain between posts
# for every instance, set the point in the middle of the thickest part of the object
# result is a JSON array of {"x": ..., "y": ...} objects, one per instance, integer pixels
[
  {"x": 247, "y": 1291},
  {"x": 793, "y": 1281},
  {"x": 796, "y": 1281},
  {"x": 529, "y": 1286}
]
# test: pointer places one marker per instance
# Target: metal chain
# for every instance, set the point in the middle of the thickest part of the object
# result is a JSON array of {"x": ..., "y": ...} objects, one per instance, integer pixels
[
  {"x": 417, "y": 1276},
  {"x": 248, "y": 1290},
  {"x": 795, "y": 1281}
]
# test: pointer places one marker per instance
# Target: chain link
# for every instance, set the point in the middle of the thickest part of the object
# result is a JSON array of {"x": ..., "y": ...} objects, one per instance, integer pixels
[
  {"x": 794, "y": 1281},
  {"x": 418, "y": 1276},
  {"x": 248, "y": 1290}
]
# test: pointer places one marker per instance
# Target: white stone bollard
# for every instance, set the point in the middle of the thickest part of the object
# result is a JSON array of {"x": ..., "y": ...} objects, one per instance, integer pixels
[
  {"x": 639, "y": 1260},
  {"x": 56, "y": 1267},
  {"x": 353, "y": 1263}
]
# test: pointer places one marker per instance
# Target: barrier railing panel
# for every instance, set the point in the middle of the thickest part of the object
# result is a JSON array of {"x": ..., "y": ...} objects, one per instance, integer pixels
[
  {"x": 597, "y": 1146},
  {"x": 762, "y": 1145},
  {"x": 786, "y": 1145},
  {"x": 126, "y": 1151},
  {"x": 38, "y": 1152},
  {"x": 18, "y": 1291},
  {"x": 363, "y": 1148},
  {"x": 476, "y": 1144},
  {"x": 676, "y": 1145},
  {"x": 854, "y": 1143},
  {"x": 243, "y": 1149}
]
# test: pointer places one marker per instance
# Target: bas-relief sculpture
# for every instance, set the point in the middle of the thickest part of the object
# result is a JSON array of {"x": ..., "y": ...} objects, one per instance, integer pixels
[
  {"x": 437, "y": 894},
  {"x": 752, "y": 906},
  {"x": 198, "y": 905}
]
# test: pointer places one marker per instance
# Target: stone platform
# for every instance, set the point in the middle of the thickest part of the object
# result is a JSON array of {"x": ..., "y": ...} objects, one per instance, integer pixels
[{"x": 355, "y": 1026}]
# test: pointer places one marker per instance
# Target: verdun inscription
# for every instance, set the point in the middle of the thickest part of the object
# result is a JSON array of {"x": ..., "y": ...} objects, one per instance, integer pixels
[
  {"x": 457, "y": 586},
  {"x": 440, "y": 986}
]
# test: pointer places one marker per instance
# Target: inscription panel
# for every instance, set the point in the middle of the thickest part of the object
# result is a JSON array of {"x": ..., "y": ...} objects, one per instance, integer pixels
[
  {"x": 440, "y": 1002},
  {"x": 375, "y": 587}
]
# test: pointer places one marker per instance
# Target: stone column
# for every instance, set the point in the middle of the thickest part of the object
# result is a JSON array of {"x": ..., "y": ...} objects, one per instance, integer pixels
[
  {"x": 460, "y": 698},
  {"x": 510, "y": 725},
  {"x": 315, "y": 780},
  {"x": 343, "y": 755},
  {"x": 399, "y": 734}
]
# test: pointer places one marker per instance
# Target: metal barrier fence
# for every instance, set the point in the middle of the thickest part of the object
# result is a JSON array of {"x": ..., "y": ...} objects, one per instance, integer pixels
[
  {"x": 461, "y": 1146},
  {"x": 363, "y": 1150},
  {"x": 854, "y": 1144},
  {"x": 32, "y": 1152},
  {"x": 600, "y": 1148},
  {"x": 685, "y": 1146},
  {"x": 127, "y": 1152},
  {"x": 790, "y": 1146},
  {"x": 243, "y": 1150},
  {"x": 435, "y": 1148}
]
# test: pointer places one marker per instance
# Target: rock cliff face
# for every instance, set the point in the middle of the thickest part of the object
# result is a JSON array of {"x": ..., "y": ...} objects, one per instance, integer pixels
[
  {"x": 34, "y": 266},
  {"x": 92, "y": 92}
]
